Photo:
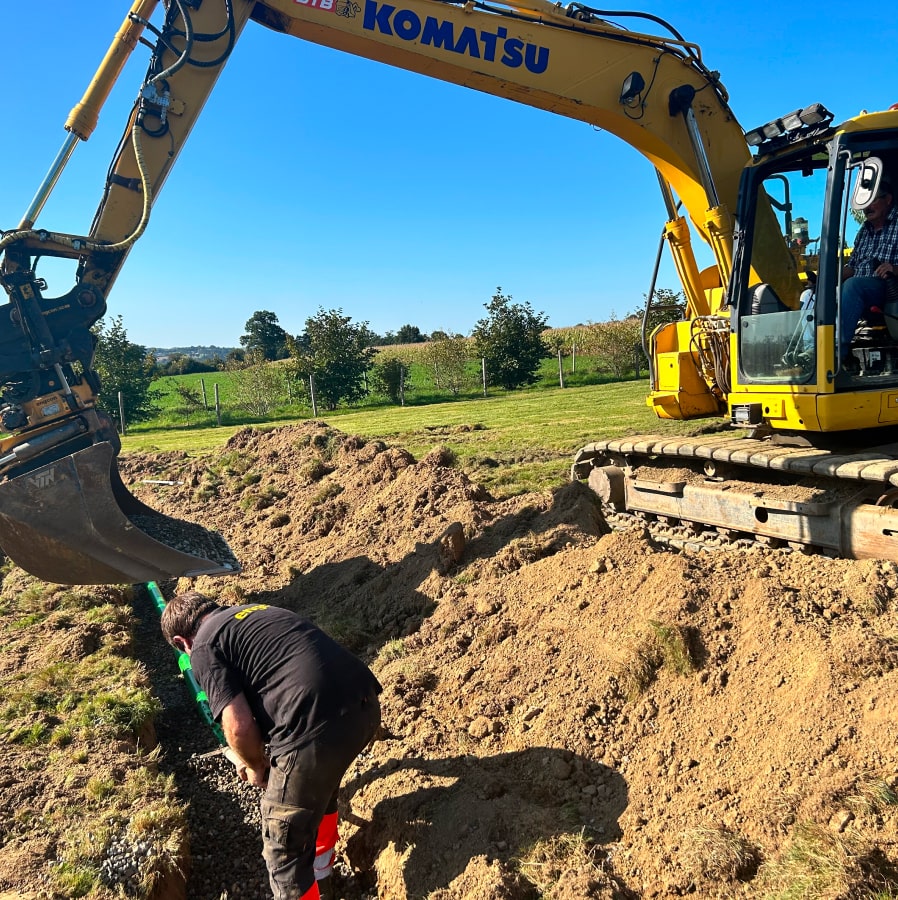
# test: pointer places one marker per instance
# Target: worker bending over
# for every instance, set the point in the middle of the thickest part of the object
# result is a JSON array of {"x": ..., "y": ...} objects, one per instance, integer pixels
[{"x": 274, "y": 678}]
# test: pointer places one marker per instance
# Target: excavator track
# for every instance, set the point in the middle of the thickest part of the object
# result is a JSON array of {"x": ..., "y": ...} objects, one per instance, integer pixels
[{"x": 836, "y": 502}]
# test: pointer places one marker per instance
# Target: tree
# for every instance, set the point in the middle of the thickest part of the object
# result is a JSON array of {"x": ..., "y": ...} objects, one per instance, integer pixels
[
  {"x": 410, "y": 334},
  {"x": 264, "y": 336},
  {"x": 189, "y": 400},
  {"x": 510, "y": 340},
  {"x": 389, "y": 376},
  {"x": 181, "y": 364},
  {"x": 123, "y": 367},
  {"x": 257, "y": 386},
  {"x": 338, "y": 355},
  {"x": 446, "y": 362},
  {"x": 615, "y": 343}
]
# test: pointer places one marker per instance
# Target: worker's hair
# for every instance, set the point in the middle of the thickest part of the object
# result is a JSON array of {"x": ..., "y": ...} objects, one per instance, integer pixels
[{"x": 182, "y": 614}]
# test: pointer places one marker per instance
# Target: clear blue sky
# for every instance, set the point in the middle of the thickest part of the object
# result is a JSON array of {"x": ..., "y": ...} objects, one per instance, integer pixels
[{"x": 317, "y": 179}]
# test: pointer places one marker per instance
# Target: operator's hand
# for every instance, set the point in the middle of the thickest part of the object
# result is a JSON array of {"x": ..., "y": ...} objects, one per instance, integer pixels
[{"x": 884, "y": 269}]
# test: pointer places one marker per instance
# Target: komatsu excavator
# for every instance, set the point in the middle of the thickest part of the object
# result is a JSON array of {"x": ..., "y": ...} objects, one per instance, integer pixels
[{"x": 758, "y": 343}]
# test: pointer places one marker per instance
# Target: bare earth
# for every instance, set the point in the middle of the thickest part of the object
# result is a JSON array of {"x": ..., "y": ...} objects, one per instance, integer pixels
[{"x": 568, "y": 713}]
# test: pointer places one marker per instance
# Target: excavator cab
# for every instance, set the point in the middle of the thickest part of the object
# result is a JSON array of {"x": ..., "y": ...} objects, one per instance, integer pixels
[{"x": 802, "y": 364}]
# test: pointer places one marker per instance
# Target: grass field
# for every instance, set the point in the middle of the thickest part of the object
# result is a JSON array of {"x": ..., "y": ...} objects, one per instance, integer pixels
[
  {"x": 419, "y": 388},
  {"x": 510, "y": 442}
]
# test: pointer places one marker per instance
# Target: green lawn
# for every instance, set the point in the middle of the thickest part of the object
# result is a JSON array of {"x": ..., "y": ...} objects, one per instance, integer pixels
[{"x": 510, "y": 442}]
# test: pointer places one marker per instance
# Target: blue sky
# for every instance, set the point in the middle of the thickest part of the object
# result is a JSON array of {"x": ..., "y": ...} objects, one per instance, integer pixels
[{"x": 317, "y": 179}]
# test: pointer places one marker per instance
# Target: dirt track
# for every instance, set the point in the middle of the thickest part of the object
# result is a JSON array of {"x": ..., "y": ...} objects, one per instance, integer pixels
[{"x": 568, "y": 711}]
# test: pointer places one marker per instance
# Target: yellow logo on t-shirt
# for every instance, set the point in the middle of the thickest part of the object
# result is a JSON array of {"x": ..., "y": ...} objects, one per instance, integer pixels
[{"x": 250, "y": 609}]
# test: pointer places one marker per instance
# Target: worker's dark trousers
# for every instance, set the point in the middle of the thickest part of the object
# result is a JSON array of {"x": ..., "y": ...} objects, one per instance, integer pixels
[{"x": 302, "y": 788}]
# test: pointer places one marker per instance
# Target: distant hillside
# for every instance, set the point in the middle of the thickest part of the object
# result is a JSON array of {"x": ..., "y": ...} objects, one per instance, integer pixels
[{"x": 201, "y": 353}]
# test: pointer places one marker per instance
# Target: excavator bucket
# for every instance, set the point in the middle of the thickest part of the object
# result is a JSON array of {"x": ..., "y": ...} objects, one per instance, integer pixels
[{"x": 73, "y": 521}]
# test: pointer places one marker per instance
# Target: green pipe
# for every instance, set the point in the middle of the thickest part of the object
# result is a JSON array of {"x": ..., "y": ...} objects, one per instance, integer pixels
[{"x": 199, "y": 695}]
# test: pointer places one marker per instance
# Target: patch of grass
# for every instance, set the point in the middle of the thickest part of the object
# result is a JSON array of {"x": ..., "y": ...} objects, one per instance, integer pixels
[
  {"x": 326, "y": 443},
  {"x": 327, "y": 491},
  {"x": 121, "y": 711},
  {"x": 347, "y": 633},
  {"x": 873, "y": 796},
  {"x": 673, "y": 647},
  {"x": 29, "y": 620},
  {"x": 32, "y": 735},
  {"x": 236, "y": 463},
  {"x": 395, "y": 649},
  {"x": 61, "y": 736},
  {"x": 315, "y": 470},
  {"x": 106, "y": 614},
  {"x": 659, "y": 645},
  {"x": 544, "y": 863},
  {"x": 262, "y": 499},
  {"x": 74, "y": 880},
  {"x": 718, "y": 855},
  {"x": 98, "y": 788},
  {"x": 466, "y": 576},
  {"x": 822, "y": 863}
]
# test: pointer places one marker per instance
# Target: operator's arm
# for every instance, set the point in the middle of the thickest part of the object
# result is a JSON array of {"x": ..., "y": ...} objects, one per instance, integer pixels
[{"x": 243, "y": 736}]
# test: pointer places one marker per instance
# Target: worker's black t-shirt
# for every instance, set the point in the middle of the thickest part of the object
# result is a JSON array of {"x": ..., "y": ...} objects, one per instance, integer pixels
[{"x": 294, "y": 676}]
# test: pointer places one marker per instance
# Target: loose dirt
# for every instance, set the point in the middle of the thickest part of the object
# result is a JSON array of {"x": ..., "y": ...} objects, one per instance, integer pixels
[{"x": 568, "y": 712}]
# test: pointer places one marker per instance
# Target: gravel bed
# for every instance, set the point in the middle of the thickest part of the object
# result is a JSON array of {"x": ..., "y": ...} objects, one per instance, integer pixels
[
  {"x": 187, "y": 537},
  {"x": 223, "y": 816}
]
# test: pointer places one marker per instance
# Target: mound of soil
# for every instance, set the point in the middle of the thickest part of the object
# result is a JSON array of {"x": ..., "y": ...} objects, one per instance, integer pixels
[{"x": 568, "y": 712}]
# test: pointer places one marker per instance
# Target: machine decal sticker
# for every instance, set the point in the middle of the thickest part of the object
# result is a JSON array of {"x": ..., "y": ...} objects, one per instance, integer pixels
[
  {"x": 487, "y": 45},
  {"x": 43, "y": 479},
  {"x": 348, "y": 9},
  {"x": 406, "y": 24}
]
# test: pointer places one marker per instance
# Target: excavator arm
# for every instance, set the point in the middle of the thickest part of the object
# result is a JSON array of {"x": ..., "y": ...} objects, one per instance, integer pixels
[{"x": 64, "y": 513}]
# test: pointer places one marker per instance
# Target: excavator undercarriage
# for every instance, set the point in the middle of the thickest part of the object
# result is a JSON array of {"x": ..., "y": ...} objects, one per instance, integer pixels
[{"x": 805, "y": 498}]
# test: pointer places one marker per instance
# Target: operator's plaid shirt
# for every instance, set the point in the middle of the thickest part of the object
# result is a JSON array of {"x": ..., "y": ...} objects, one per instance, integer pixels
[{"x": 881, "y": 245}]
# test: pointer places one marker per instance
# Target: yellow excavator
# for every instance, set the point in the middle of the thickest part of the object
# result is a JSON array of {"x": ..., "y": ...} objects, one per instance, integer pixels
[{"x": 758, "y": 343}]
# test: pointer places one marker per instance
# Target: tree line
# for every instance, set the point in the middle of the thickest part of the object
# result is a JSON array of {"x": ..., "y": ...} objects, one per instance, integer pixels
[{"x": 336, "y": 361}]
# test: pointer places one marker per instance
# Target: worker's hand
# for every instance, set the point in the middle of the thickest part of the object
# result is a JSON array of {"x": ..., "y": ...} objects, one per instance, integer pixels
[
  {"x": 256, "y": 777},
  {"x": 245, "y": 772},
  {"x": 884, "y": 269}
]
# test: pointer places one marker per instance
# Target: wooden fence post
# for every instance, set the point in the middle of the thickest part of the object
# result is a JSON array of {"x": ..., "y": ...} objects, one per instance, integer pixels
[{"x": 217, "y": 405}]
